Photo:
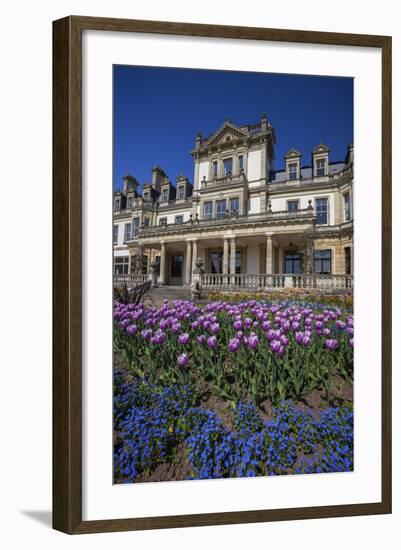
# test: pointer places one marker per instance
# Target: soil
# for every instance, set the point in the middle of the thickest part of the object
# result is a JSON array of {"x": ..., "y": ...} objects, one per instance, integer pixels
[{"x": 341, "y": 393}]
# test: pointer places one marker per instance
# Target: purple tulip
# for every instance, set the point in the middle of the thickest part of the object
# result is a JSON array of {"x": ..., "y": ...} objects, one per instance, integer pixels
[
  {"x": 182, "y": 359},
  {"x": 132, "y": 329},
  {"x": 283, "y": 340},
  {"x": 234, "y": 344},
  {"x": 215, "y": 328},
  {"x": 331, "y": 344},
  {"x": 212, "y": 342},
  {"x": 275, "y": 346},
  {"x": 266, "y": 325},
  {"x": 201, "y": 339},
  {"x": 146, "y": 333},
  {"x": 299, "y": 336},
  {"x": 237, "y": 324},
  {"x": 253, "y": 341},
  {"x": 351, "y": 342},
  {"x": 306, "y": 341},
  {"x": 183, "y": 339},
  {"x": 340, "y": 324}
]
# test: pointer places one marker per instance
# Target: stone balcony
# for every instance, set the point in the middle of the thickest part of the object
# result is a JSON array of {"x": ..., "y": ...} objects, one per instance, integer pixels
[{"x": 231, "y": 221}]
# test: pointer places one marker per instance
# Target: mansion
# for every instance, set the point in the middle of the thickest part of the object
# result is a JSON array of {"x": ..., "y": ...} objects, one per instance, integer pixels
[{"x": 245, "y": 223}]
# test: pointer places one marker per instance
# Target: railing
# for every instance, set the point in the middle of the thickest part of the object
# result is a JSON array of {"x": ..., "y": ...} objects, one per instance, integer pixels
[
  {"x": 263, "y": 281},
  {"x": 130, "y": 278},
  {"x": 228, "y": 179},
  {"x": 233, "y": 219}
]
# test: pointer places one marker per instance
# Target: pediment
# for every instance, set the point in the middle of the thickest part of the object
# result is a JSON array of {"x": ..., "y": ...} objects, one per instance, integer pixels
[
  {"x": 321, "y": 148},
  {"x": 228, "y": 132}
]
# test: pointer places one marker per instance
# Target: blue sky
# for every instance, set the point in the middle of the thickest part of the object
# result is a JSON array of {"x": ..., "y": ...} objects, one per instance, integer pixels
[{"x": 158, "y": 112}]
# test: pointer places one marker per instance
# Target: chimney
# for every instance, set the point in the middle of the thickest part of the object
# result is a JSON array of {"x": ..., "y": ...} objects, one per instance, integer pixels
[
  {"x": 158, "y": 176},
  {"x": 130, "y": 183}
]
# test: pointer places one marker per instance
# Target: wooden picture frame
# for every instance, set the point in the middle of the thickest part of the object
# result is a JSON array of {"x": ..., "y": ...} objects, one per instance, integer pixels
[{"x": 67, "y": 274}]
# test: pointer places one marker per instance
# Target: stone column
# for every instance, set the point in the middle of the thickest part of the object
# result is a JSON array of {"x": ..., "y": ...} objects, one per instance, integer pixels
[
  {"x": 225, "y": 256},
  {"x": 162, "y": 276},
  {"x": 269, "y": 253},
  {"x": 188, "y": 263},
  {"x": 232, "y": 256},
  {"x": 280, "y": 259},
  {"x": 194, "y": 253}
]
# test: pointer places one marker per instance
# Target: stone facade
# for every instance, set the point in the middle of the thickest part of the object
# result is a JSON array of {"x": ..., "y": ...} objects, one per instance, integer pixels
[{"x": 240, "y": 215}]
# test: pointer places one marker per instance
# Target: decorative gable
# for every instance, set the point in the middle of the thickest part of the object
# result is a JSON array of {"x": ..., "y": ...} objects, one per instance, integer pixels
[{"x": 228, "y": 132}]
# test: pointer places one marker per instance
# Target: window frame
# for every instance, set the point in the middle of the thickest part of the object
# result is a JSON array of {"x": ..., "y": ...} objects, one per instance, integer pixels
[
  {"x": 135, "y": 226},
  {"x": 208, "y": 216},
  {"x": 220, "y": 215},
  {"x": 230, "y": 204},
  {"x": 327, "y": 211},
  {"x": 164, "y": 192},
  {"x": 228, "y": 172},
  {"x": 322, "y": 260},
  {"x": 181, "y": 216},
  {"x": 292, "y": 174},
  {"x": 128, "y": 226},
  {"x": 163, "y": 221},
  {"x": 318, "y": 168},
  {"x": 292, "y": 201},
  {"x": 346, "y": 206},
  {"x": 181, "y": 188},
  {"x": 116, "y": 232}
]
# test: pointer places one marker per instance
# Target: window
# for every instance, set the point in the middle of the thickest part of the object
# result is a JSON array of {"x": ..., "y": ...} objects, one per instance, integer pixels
[
  {"x": 234, "y": 205},
  {"x": 181, "y": 192},
  {"x": 215, "y": 167},
  {"x": 293, "y": 171},
  {"x": 130, "y": 201},
  {"x": 179, "y": 219},
  {"x": 208, "y": 210},
  {"x": 220, "y": 208},
  {"x": 163, "y": 221},
  {"x": 216, "y": 261},
  {"x": 347, "y": 260},
  {"x": 127, "y": 232},
  {"x": 121, "y": 265},
  {"x": 321, "y": 167},
  {"x": 322, "y": 211},
  {"x": 293, "y": 206},
  {"x": 347, "y": 207},
  {"x": 164, "y": 196},
  {"x": 293, "y": 263},
  {"x": 146, "y": 222},
  {"x": 227, "y": 166},
  {"x": 323, "y": 261},
  {"x": 115, "y": 234},
  {"x": 240, "y": 163},
  {"x": 146, "y": 196},
  {"x": 136, "y": 226},
  {"x": 116, "y": 205}
]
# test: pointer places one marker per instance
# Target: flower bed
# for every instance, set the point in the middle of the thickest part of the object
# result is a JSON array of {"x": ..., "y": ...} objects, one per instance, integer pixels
[
  {"x": 151, "y": 424},
  {"x": 246, "y": 351}
]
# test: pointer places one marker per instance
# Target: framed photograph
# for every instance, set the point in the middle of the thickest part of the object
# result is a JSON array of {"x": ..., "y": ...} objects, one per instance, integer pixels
[{"x": 222, "y": 275}]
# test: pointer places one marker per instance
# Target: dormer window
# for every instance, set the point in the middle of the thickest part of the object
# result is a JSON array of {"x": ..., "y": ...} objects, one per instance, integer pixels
[
  {"x": 320, "y": 167},
  {"x": 116, "y": 205},
  {"x": 130, "y": 201},
  {"x": 146, "y": 196},
  {"x": 293, "y": 171},
  {"x": 215, "y": 168},
  {"x": 164, "y": 195},
  {"x": 181, "y": 192},
  {"x": 320, "y": 156},
  {"x": 293, "y": 165},
  {"x": 228, "y": 166}
]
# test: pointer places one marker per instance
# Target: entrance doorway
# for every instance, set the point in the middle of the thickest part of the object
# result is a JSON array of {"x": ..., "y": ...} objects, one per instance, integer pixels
[{"x": 177, "y": 261}]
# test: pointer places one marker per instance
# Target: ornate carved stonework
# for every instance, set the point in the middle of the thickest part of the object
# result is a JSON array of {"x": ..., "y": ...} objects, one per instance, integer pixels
[{"x": 309, "y": 253}]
